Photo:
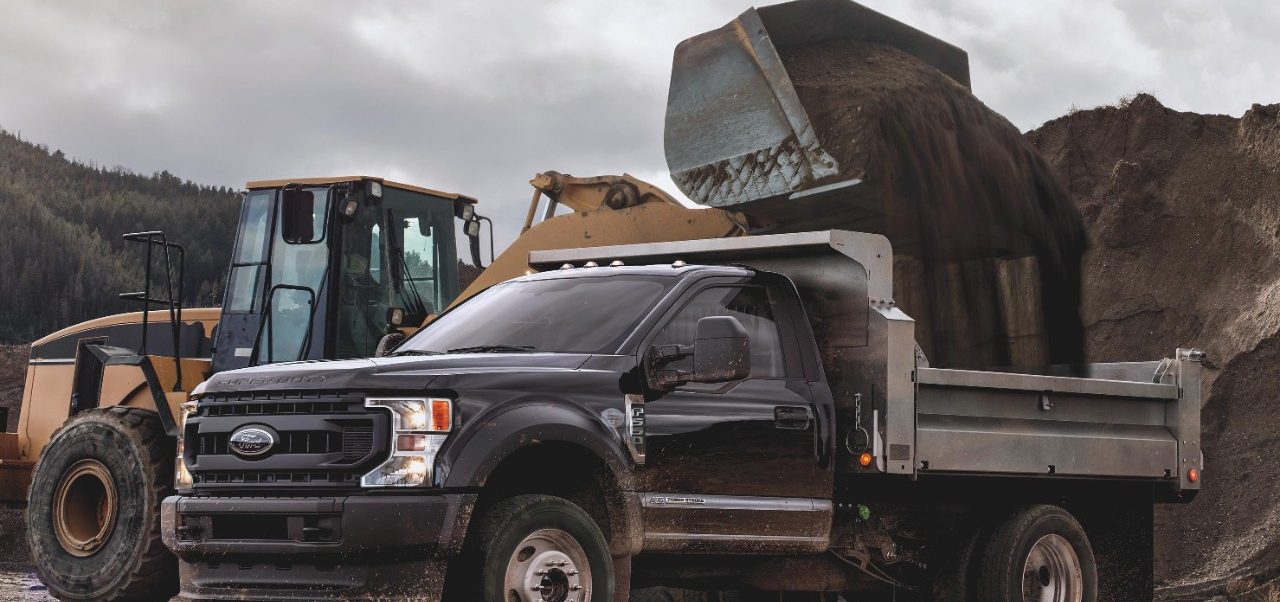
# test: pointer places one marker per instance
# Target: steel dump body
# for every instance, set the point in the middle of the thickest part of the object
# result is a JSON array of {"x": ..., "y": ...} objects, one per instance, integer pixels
[{"x": 1138, "y": 420}]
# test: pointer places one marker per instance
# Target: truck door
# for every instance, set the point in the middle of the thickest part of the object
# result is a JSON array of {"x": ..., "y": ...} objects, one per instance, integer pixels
[{"x": 729, "y": 465}]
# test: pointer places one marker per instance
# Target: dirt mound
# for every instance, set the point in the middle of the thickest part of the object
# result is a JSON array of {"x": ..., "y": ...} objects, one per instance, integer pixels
[
  {"x": 1183, "y": 215},
  {"x": 959, "y": 188},
  {"x": 13, "y": 372}
]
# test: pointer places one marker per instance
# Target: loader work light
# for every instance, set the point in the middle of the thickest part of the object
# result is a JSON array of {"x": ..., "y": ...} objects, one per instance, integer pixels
[{"x": 419, "y": 428}]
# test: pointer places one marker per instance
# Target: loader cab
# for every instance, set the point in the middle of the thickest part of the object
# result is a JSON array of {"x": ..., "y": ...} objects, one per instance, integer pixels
[{"x": 323, "y": 268}]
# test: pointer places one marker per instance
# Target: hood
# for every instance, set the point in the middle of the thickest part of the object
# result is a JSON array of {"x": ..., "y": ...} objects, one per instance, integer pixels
[{"x": 409, "y": 373}]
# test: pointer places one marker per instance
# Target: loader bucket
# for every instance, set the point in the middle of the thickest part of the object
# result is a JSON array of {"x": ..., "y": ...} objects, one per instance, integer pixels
[
  {"x": 823, "y": 114},
  {"x": 736, "y": 130}
]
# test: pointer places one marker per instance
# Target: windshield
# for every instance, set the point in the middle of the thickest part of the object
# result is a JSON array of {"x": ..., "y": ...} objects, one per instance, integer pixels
[{"x": 564, "y": 315}]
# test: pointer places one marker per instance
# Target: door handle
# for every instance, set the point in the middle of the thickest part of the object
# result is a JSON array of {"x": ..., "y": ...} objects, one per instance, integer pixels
[{"x": 792, "y": 418}]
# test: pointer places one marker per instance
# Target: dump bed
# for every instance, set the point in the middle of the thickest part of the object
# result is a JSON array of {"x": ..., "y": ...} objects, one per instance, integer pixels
[
  {"x": 1138, "y": 420},
  {"x": 1127, "y": 424}
]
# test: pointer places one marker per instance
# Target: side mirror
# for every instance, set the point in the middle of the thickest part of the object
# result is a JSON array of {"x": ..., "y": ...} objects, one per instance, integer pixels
[
  {"x": 299, "y": 216},
  {"x": 388, "y": 343},
  {"x": 721, "y": 353}
]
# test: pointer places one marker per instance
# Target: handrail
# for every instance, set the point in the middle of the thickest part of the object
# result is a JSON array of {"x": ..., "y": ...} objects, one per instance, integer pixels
[{"x": 154, "y": 238}]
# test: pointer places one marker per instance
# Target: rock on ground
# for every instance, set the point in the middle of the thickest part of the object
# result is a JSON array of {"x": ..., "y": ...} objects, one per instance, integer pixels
[{"x": 1183, "y": 214}]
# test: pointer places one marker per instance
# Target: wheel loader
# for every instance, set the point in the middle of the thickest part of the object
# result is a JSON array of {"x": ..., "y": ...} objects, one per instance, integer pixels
[
  {"x": 321, "y": 268},
  {"x": 806, "y": 115}
]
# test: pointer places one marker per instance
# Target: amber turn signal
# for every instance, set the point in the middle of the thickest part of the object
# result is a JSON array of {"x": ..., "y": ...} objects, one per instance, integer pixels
[
  {"x": 866, "y": 459},
  {"x": 1193, "y": 475},
  {"x": 441, "y": 414}
]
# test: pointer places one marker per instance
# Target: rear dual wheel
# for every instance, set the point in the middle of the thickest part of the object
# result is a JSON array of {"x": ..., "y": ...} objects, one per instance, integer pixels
[{"x": 1040, "y": 554}]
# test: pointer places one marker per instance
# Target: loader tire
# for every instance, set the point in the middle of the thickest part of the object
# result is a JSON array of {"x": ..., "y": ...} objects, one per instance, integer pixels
[
  {"x": 1039, "y": 553},
  {"x": 515, "y": 538},
  {"x": 93, "y": 510}
]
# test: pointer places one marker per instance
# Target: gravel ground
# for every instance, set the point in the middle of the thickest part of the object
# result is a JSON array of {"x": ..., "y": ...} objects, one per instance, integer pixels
[{"x": 18, "y": 583}]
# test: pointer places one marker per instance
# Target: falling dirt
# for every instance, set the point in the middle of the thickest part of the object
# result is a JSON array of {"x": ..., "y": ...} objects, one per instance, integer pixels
[
  {"x": 1183, "y": 215},
  {"x": 963, "y": 189}
]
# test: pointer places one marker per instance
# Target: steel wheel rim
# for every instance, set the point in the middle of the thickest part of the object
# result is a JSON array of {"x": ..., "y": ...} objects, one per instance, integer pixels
[
  {"x": 548, "y": 565},
  {"x": 84, "y": 508},
  {"x": 1052, "y": 572}
]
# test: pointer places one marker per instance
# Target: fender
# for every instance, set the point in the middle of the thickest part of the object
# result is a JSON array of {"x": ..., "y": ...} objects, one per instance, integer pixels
[
  {"x": 118, "y": 356},
  {"x": 486, "y": 443}
]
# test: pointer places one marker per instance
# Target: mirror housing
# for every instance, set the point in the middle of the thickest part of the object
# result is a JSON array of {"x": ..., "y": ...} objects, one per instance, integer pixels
[
  {"x": 721, "y": 353},
  {"x": 298, "y": 207}
]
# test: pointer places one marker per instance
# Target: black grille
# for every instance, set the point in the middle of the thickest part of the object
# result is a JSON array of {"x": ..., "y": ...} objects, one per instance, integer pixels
[
  {"x": 288, "y": 477},
  {"x": 323, "y": 440}
]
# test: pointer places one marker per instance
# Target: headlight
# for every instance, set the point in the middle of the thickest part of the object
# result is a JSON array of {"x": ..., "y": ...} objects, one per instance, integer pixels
[
  {"x": 419, "y": 428},
  {"x": 182, "y": 476}
]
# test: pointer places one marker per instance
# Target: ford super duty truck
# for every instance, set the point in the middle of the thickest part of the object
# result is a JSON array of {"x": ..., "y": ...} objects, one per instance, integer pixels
[{"x": 746, "y": 414}]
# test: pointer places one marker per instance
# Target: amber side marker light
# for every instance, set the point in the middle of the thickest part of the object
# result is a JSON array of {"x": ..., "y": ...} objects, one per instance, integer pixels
[
  {"x": 441, "y": 414},
  {"x": 1193, "y": 475},
  {"x": 866, "y": 459}
]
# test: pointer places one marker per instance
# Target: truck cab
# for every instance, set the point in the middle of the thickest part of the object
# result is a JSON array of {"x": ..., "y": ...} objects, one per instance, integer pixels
[{"x": 755, "y": 417}]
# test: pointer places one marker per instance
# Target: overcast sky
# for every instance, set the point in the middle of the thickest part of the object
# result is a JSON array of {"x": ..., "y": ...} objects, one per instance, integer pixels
[{"x": 477, "y": 97}]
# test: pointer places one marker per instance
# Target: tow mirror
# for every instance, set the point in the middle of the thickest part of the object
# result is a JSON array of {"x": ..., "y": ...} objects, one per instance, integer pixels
[
  {"x": 299, "y": 209},
  {"x": 721, "y": 353}
]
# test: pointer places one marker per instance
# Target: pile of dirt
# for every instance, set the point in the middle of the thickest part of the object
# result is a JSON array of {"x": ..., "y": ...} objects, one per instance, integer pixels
[
  {"x": 959, "y": 188},
  {"x": 13, "y": 372},
  {"x": 1183, "y": 216}
]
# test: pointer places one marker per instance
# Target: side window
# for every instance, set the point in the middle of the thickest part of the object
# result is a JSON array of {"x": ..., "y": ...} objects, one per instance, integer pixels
[{"x": 750, "y": 305}]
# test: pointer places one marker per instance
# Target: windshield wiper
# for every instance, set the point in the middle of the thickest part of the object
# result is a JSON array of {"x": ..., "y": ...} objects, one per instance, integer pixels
[
  {"x": 494, "y": 349},
  {"x": 412, "y": 352}
]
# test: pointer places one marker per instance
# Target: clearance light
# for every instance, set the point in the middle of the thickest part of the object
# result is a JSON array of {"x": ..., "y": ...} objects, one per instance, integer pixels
[
  {"x": 419, "y": 429},
  {"x": 865, "y": 459},
  {"x": 1193, "y": 475}
]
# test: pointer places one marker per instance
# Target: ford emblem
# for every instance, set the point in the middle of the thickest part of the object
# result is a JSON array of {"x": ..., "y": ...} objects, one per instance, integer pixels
[{"x": 251, "y": 441}]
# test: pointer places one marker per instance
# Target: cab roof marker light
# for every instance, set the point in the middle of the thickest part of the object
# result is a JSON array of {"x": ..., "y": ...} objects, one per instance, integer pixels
[{"x": 617, "y": 263}]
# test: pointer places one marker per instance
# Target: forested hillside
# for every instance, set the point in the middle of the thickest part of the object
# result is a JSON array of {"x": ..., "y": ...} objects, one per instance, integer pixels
[{"x": 61, "y": 256}]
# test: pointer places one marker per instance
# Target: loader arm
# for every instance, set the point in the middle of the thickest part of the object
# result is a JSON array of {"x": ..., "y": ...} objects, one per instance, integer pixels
[{"x": 608, "y": 210}]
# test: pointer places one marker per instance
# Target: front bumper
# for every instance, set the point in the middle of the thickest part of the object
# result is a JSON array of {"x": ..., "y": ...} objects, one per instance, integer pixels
[{"x": 385, "y": 547}]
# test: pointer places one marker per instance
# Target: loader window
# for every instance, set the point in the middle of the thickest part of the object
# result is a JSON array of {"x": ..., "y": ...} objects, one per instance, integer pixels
[
  {"x": 398, "y": 255},
  {"x": 251, "y": 252},
  {"x": 301, "y": 264}
]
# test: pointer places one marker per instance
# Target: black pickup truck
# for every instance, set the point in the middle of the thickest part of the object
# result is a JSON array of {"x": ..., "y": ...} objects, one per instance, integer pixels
[{"x": 757, "y": 419}]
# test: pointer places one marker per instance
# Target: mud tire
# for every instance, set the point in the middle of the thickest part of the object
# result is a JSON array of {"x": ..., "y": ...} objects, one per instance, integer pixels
[
  {"x": 479, "y": 572},
  {"x": 1005, "y": 557},
  {"x": 132, "y": 562}
]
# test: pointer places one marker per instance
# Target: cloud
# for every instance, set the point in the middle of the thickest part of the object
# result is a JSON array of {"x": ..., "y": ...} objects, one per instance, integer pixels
[{"x": 477, "y": 97}]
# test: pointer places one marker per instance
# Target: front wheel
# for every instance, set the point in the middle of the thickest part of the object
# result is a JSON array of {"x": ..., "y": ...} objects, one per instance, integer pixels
[
  {"x": 534, "y": 548},
  {"x": 93, "y": 510},
  {"x": 1040, "y": 554}
]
